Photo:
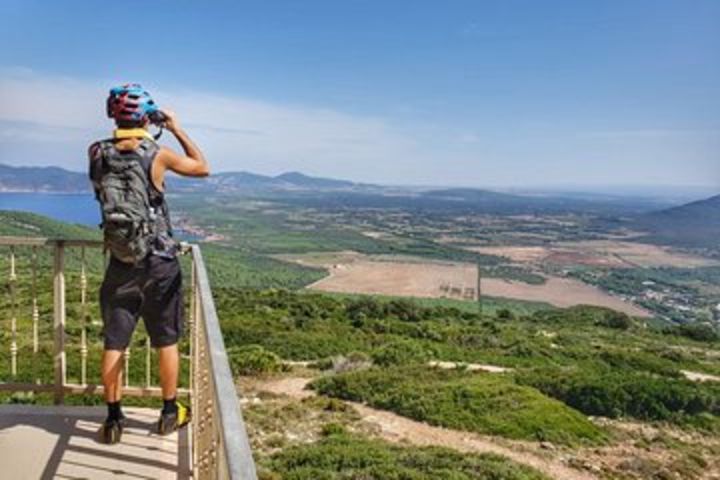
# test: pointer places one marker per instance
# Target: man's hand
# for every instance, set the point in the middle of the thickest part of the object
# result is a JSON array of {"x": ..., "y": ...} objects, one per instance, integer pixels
[{"x": 171, "y": 121}]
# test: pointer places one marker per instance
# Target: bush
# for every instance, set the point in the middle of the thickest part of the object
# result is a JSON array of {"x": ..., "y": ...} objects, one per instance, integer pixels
[
  {"x": 400, "y": 352},
  {"x": 479, "y": 402},
  {"x": 613, "y": 319},
  {"x": 505, "y": 314},
  {"x": 253, "y": 360},
  {"x": 332, "y": 428},
  {"x": 621, "y": 393},
  {"x": 340, "y": 456},
  {"x": 702, "y": 332}
]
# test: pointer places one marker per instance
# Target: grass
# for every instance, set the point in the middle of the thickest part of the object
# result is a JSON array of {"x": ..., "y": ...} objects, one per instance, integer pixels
[{"x": 484, "y": 403}]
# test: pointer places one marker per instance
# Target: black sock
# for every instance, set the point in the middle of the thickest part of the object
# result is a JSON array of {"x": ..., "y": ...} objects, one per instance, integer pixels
[
  {"x": 114, "y": 411},
  {"x": 169, "y": 406}
]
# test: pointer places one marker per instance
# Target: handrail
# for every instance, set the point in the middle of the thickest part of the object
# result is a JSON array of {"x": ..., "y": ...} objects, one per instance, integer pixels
[
  {"x": 234, "y": 458},
  {"x": 220, "y": 446}
]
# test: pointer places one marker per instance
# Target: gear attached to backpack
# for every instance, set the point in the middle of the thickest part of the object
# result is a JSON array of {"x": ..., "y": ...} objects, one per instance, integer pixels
[{"x": 122, "y": 186}]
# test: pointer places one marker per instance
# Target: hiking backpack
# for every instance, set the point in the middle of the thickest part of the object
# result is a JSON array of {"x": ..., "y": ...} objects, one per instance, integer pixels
[{"x": 121, "y": 183}]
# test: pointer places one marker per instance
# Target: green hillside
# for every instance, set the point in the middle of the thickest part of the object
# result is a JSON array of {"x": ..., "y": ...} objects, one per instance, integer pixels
[{"x": 27, "y": 224}]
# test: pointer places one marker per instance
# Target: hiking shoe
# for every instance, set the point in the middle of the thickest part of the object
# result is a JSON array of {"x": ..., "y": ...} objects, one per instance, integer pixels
[
  {"x": 111, "y": 431},
  {"x": 169, "y": 422}
]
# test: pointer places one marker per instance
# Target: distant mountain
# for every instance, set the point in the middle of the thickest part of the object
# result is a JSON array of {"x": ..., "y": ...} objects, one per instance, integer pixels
[
  {"x": 695, "y": 224},
  {"x": 238, "y": 182},
  {"x": 42, "y": 179},
  {"x": 59, "y": 180},
  {"x": 301, "y": 180}
]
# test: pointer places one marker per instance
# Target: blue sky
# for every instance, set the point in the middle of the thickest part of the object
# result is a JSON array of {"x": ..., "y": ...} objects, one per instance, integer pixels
[{"x": 481, "y": 93}]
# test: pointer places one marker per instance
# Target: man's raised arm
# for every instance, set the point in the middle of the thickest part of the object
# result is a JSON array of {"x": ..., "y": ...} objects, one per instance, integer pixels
[{"x": 193, "y": 163}]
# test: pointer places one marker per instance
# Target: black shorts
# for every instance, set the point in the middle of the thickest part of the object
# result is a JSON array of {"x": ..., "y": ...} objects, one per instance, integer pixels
[{"x": 153, "y": 290}]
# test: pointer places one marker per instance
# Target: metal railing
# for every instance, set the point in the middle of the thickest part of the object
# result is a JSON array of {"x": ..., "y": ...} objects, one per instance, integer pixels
[{"x": 219, "y": 442}]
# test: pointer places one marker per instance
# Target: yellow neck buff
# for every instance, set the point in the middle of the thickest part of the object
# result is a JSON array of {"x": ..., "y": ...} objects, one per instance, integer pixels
[{"x": 121, "y": 133}]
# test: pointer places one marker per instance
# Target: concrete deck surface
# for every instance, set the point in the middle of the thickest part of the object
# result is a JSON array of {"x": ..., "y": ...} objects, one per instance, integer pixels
[{"x": 44, "y": 442}]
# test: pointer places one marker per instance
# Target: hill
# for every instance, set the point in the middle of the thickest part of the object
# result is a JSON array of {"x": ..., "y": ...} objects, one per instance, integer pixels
[
  {"x": 695, "y": 225},
  {"x": 25, "y": 224},
  {"x": 42, "y": 179},
  {"x": 239, "y": 182},
  {"x": 60, "y": 180}
]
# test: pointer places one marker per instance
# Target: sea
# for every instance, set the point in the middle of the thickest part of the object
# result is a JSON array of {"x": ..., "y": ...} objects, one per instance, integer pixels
[{"x": 79, "y": 208}]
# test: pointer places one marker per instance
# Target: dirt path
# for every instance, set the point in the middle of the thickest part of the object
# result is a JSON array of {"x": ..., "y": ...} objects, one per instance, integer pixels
[
  {"x": 397, "y": 429},
  {"x": 700, "y": 377},
  {"x": 471, "y": 367}
]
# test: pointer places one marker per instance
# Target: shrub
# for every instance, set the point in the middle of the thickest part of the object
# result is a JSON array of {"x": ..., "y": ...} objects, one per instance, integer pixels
[
  {"x": 485, "y": 403},
  {"x": 702, "y": 332},
  {"x": 332, "y": 428},
  {"x": 619, "y": 393},
  {"x": 253, "y": 360},
  {"x": 505, "y": 314},
  {"x": 341, "y": 456},
  {"x": 613, "y": 319},
  {"x": 400, "y": 352}
]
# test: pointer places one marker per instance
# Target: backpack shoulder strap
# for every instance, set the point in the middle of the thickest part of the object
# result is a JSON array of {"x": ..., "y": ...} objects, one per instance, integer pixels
[
  {"x": 97, "y": 153},
  {"x": 148, "y": 149}
]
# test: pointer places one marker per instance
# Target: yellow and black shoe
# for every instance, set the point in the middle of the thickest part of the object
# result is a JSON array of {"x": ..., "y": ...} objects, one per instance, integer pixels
[
  {"x": 171, "y": 421},
  {"x": 111, "y": 431}
]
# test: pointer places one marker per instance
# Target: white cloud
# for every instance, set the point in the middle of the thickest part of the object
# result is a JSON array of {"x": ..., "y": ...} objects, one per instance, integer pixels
[
  {"x": 46, "y": 119},
  {"x": 40, "y": 112}
]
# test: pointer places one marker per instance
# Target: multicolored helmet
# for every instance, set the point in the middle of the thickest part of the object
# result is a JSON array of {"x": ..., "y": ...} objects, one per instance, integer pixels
[{"x": 130, "y": 104}]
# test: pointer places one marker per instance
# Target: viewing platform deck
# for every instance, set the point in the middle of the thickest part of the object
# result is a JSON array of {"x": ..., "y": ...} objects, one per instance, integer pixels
[
  {"x": 48, "y": 442},
  {"x": 49, "y": 345}
]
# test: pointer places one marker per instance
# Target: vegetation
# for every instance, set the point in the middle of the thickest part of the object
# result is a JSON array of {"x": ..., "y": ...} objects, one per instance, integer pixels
[
  {"x": 340, "y": 456},
  {"x": 232, "y": 267},
  {"x": 31, "y": 225},
  {"x": 620, "y": 392},
  {"x": 702, "y": 332},
  {"x": 484, "y": 403},
  {"x": 253, "y": 360}
]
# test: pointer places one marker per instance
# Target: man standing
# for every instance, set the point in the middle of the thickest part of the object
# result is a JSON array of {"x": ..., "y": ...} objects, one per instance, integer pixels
[{"x": 143, "y": 277}]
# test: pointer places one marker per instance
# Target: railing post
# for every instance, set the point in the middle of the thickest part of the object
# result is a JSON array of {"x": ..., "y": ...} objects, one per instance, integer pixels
[{"x": 59, "y": 321}]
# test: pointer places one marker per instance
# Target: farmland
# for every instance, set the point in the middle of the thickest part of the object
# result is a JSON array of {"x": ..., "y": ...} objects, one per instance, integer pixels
[{"x": 382, "y": 245}]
